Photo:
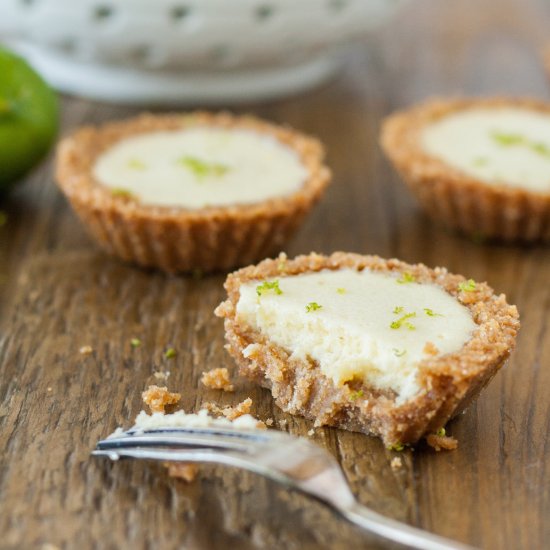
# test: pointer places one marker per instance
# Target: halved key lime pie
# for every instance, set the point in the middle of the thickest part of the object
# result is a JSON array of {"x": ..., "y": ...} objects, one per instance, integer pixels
[
  {"x": 479, "y": 165},
  {"x": 367, "y": 344},
  {"x": 195, "y": 191}
]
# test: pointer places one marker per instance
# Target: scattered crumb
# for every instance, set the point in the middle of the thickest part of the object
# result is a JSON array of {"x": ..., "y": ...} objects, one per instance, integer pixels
[
  {"x": 283, "y": 423},
  {"x": 311, "y": 432},
  {"x": 430, "y": 349},
  {"x": 242, "y": 408},
  {"x": 269, "y": 422},
  {"x": 49, "y": 388},
  {"x": 49, "y": 546},
  {"x": 161, "y": 375},
  {"x": 182, "y": 470},
  {"x": 217, "y": 379},
  {"x": 85, "y": 350},
  {"x": 396, "y": 463},
  {"x": 231, "y": 413},
  {"x": 157, "y": 398},
  {"x": 442, "y": 442}
]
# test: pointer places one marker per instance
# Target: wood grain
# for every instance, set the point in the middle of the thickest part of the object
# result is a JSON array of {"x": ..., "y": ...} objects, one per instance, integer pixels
[{"x": 58, "y": 293}]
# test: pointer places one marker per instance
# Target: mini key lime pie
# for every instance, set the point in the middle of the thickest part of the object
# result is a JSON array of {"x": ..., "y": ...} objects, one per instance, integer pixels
[
  {"x": 197, "y": 191},
  {"x": 480, "y": 165},
  {"x": 367, "y": 344}
]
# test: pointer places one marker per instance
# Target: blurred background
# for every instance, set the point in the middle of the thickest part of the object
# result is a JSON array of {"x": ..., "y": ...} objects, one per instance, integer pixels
[{"x": 203, "y": 52}]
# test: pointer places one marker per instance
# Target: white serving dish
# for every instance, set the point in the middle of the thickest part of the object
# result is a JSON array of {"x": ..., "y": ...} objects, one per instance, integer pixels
[{"x": 187, "y": 51}]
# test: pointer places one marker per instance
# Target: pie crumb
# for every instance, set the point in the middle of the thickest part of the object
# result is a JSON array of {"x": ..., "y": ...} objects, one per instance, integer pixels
[
  {"x": 430, "y": 349},
  {"x": 269, "y": 422},
  {"x": 396, "y": 463},
  {"x": 182, "y": 470},
  {"x": 311, "y": 432},
  {"x": 232, "y": 413},
  {"x": 157, "y": 398},
  {"x": 85, "y": 350},
  {"x": 442, "y": 442},
  {"x": 217, "y": 379}
]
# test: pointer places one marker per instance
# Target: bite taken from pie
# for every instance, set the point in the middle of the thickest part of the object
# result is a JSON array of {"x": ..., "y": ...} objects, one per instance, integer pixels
[
  {"x": 197, "y": 191},
  {"x": 479, "y": 165},
  {"x": 367, "y": 344}
]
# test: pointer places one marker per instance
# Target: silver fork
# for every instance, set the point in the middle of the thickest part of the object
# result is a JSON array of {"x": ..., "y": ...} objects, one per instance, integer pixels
[{"x": 292, "y": 461}]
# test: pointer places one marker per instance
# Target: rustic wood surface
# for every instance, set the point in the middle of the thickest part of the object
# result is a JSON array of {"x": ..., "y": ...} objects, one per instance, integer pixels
[{"x": 58, "y": 292}]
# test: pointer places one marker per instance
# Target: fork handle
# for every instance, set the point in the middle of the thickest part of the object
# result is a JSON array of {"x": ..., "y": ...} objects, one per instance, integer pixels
[{"x": 398, "y": 532}]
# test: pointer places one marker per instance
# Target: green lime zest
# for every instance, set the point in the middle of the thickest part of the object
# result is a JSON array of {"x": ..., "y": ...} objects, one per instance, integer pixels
[
  {"x": 406, "y": 277},
  {"x": 480, "y": 161},
  {"x": 467, "y": 286},
  {"x": 399, "y": 353},
  {"x": 135, "y": 342},
  {"x": 203, "y": 169},
  {"x": 170, "y": 353},
  {"x": 267, "y": 286},
  {"x": 122, "y": 193},
  {"x": 356, "y": 394},
  {"x": 514, "y": 140},
  {"x": 3, "y": 218},
  {"x": 398, "y": 447},
  {"x": 432, "y": 313},
  {"x": 341, "y": 290},
  {"x": 313, "y": 306},
  {"x": 398, "y": 309},
  {"x": 403, "y": 321},
  {"x": 441, "y": 432},
  {"x": 136, "y": 164}
]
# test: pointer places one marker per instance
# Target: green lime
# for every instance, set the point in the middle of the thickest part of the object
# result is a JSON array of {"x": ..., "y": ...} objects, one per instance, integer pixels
[{"x": 28, "y": 118}]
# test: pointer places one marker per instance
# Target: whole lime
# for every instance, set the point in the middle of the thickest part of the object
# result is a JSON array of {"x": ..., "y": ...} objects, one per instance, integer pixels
[{"x": 28, "y": 118}]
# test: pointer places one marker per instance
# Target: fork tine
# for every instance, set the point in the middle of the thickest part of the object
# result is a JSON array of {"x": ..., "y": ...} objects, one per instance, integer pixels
[{"x": 168, "y": 440}]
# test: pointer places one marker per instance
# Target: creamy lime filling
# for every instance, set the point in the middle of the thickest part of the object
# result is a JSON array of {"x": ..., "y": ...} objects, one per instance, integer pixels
[
  {"x": 200, "y": 167},
  {"x": 364, "y": 326},
  {"x": 503, "y": 146}
]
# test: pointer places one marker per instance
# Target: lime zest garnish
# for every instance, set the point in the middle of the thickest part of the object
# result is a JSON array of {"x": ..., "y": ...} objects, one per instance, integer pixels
[
  {"x": 441, "y": 432},
  {"x": 406, "y": 277},
  {"x": 170, "y": 353},
  {"x": 136, "y": 164},
  {"x": 356, "y": 394},
  {"x": 135, "y": 342},
  {"x": 203, "y": 169},
  {"x": 431, "y": 313},
  {"x": 122, "y": 193},
  {"x": 398, "y": 309},
  {"x": 398, "y": 447},
  {"x": 403, "y": 321},
  {"x": 399, "y": 353},
  {"x": 267, "y": 286},
  {"x": 480, "y": 161},
  {"x": 467, "y": 286},
  {"x": 313, "y": 306},
  {"x": 341, "y": 290},
  {"x": 511, "y": 140},
  {"x": 3, "y": 218}
]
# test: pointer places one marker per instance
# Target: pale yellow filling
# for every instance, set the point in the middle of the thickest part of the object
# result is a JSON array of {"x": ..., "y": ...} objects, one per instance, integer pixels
[
  {"x": 499, "y": 146},
  {"x": 200, "y": 167},
  {"x": 359, "y": 325}
]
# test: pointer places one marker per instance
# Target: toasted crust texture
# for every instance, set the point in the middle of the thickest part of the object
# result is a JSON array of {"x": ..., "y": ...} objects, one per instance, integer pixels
[
  {"x": 179, "y": 239},
  {"x": 454, "y": 198},
  {"x": 449, "y": 383}
]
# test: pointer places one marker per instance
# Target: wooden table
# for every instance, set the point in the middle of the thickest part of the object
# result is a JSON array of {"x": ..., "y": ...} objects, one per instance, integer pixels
[{"x": 59, "y": 292}]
